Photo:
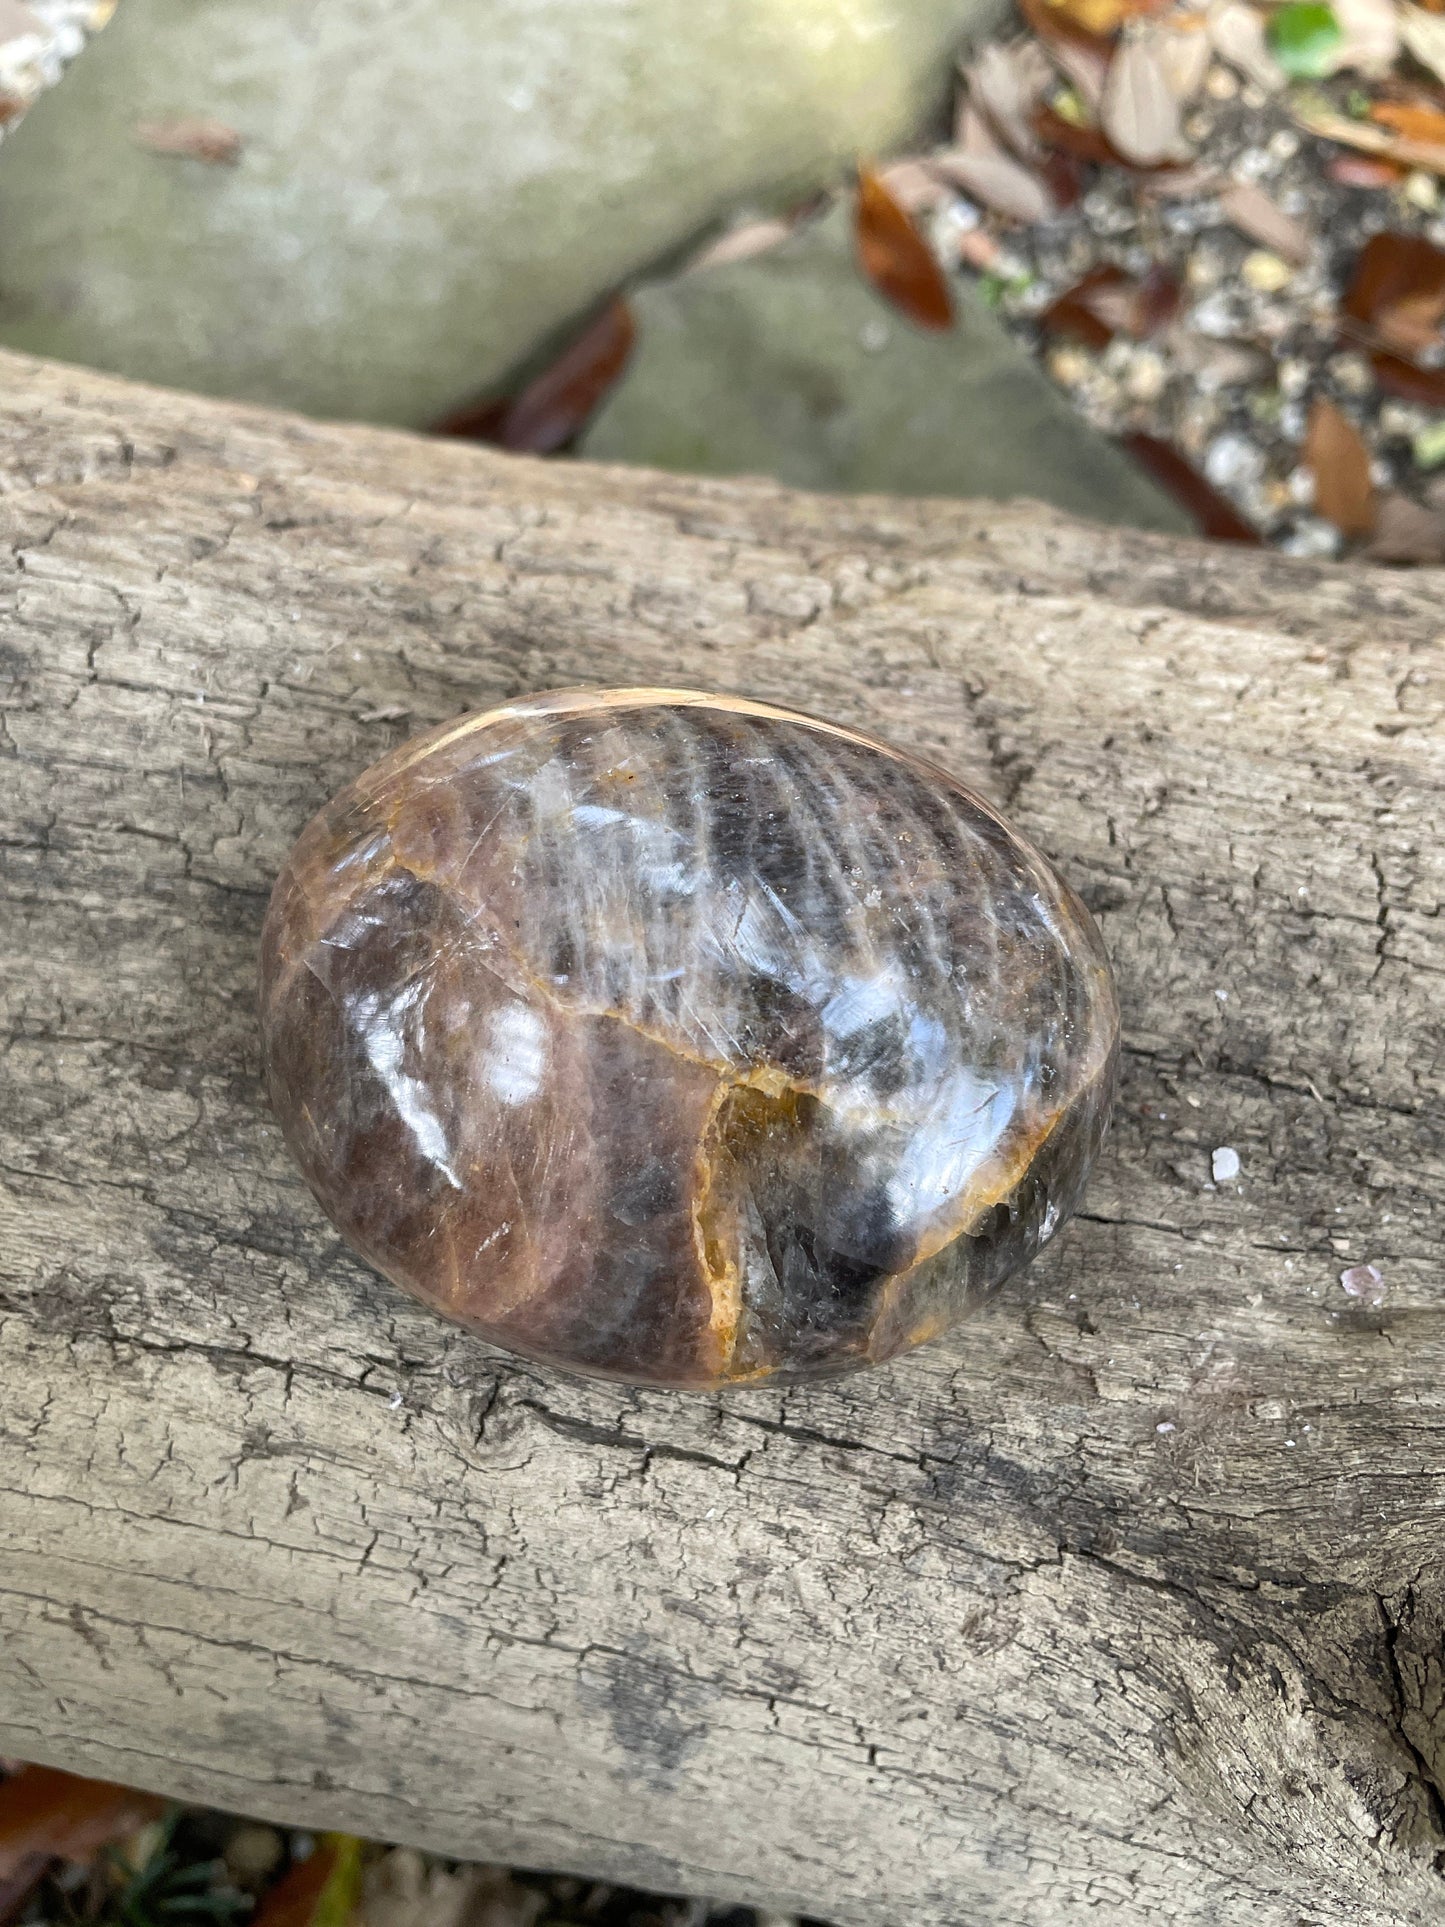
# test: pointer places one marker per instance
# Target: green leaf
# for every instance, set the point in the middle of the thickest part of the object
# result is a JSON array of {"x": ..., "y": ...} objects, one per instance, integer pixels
[{"x": 1303, "y": 38}]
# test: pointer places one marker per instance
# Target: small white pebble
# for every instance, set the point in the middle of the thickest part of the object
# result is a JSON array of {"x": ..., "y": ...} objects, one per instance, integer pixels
[
  {"x": 1225, "y": 1165},
  {"x": 1362, "y": 1281},
  {"x": 1165, "y": 1428},
  {"x": 1222, "y": 995},
  {"x": 394, "y": 1401},
  {"x": 1266, "y": 272}
]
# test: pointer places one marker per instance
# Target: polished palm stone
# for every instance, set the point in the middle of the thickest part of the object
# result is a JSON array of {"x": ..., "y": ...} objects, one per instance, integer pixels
[{"x": 683, "y": 1039}]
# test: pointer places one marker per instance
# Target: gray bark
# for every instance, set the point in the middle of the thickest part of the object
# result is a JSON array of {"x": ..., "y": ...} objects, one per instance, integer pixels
[{"x": 1130, "y": 1593}]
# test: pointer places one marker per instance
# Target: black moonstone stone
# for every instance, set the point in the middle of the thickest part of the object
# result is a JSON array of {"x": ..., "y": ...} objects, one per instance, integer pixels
[{"x": 683, "y": 1039}]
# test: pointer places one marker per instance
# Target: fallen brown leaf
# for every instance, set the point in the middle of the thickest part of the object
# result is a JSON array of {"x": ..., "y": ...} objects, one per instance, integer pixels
[
  {"x": 1413, "y": 119},
  {"x": 1083, "y": 58},
  {"x": 1066, "y": 137},
  {"x": 321, "y": 1891},
  {"x": 1214, "y": 515},
  {"x": 1336, "y": 456},
  {"x": 1103, "y": 18},
  {"x": 1004, "y": 85},
  {"x": 193, "y": 138},
  {"x": 554, "y": 407},
  {"x": 1107, "y": 302},
  {"x": 1408, "y": 381},
  {"x": 1248, "y": 208},
  {"x": 983, "y": 170},
  {"x": 1139, "y": 112},
  {"x": 65, "y": 1817},
  {"x": 1406, "y": 532},
  {"x": 896, "y": 258},
  {"x": 1396, "y": 295},
  {"x": 1369, "y": 138},
  {"x": 1063, "y": 175}
]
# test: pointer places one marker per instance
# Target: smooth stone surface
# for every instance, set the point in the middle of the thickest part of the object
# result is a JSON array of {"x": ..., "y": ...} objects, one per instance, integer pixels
[
  {"x": 789, "y": 365},
  {"x": 425, "y": 191},
  {"x": 681, "y": 1038}
]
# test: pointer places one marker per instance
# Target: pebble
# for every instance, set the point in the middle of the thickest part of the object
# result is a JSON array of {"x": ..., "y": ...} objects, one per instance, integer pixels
[
  {"x": 1220, "y": 84},
  {"x": 1233, "y": 461},
  {"x": 1069, "y": 366},
  {"x": 1311, "y": 537},
  {"x": 1363, "y": 1281},
  {"x": 1225, "y": 1165},
  {"x": 1146, "y": 376},
  {"x": 1266, "y": 272},
  {"x": 251, "y": 1853},
  {"x": 1352, "y": 373}
]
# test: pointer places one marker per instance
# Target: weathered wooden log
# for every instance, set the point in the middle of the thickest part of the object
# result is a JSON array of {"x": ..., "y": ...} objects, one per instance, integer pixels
[{"x": 1130, "y": 1592}]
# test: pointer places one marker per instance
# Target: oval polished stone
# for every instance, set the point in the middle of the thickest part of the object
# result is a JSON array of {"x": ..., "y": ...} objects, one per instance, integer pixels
[{"x": 683, "y": 1039}]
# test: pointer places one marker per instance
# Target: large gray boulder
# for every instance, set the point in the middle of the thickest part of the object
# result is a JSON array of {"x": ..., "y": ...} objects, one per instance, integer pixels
[
  {"x": 789, "y": 365},
  {"x": 425, "y": 191}
]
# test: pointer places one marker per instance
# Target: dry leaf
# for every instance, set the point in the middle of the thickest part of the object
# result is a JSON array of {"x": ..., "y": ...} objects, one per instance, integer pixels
[
  {"x": 1412, "y": 118},
  {"x": 1064, "y": 177},
  {"x": 1179, "y": 183},
  {"x": 554, "y": 407},
  {"x": 1139, "y": 112},
  {"x": 1103, "y": 18},
  {"x": 1182, "y": 45},
  {"x": 322, "y": 1891},
  {"x": 1067, "y": 137},
  {"x": 896, "y": 258},
  {"x": 914, "y": 185},
  {"x": 1336, "y": 456},
  {"x": 1370, "y": 36},
  {"x": 193, "y": 138},
  {"x": 1369, "y": 138},
  {"x": 1082, "y": 58},
  {"x": 1005, "y": 84},
  {"x": 1248, "y": 208},
  {"x": 1406, "y": 532},
  {"x": 1214, "y": 515},
  {"x": 999, "y": 184},
  {"x": 65, "y": 1817},
  {"x": 1237, "y": 34},
  {"x": 1108, "y": 302},
  {"x": 985, "y": 172},
  {"x": 1396, "y": 295},
  {"x": 1424, "y": 34},
  {"x": 741, "y": 243},
  {"x": 1407, "y": 381}
]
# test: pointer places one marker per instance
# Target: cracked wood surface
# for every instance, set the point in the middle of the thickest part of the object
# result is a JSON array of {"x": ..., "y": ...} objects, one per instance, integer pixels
[{"x": 1129, "y": 1593}]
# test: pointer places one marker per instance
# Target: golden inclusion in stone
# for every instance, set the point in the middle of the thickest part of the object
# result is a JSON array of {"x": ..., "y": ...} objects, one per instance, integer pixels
[{"x": 683, "y": 1039}]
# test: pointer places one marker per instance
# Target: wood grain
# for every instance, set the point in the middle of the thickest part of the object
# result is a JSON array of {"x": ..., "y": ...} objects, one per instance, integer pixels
[{"x": 1130, "y": 1594}]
